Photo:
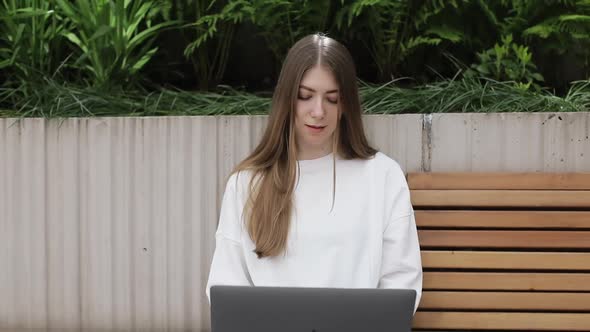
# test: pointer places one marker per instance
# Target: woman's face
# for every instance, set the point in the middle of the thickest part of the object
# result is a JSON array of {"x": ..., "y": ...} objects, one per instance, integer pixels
[{"x": 316, "y": 113}]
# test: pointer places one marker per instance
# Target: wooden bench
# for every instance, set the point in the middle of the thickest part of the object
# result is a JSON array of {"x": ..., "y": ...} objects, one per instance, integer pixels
[{"x": 503, "y": 251}]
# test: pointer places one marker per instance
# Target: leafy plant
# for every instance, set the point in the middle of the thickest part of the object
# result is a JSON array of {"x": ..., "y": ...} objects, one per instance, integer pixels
[
  {"x": 208, "y": 35},
  {"x": 550, "y": 26},
  {"x": 279, "y": 22},
  {"x": 30, "y": 39},
  {"x": 283, "y": 22},
  {"x": 508, "y": 61},
  {"x": 53, "y": 98},
  {"x": 114, "y": 37},
  {"x": 470, "y": 95},
  {"x": 551, "y": 20},
  {"x": 393, "y": 30}
]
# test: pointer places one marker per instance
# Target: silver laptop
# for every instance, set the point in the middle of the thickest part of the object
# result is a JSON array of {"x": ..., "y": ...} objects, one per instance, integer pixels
[{"x": 273, "y": 309}]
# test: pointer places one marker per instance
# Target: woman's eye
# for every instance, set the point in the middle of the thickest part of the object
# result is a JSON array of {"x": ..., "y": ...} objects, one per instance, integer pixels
[
  {"x": 333, "y": 101},
  {"x": 304, "y": 97}
]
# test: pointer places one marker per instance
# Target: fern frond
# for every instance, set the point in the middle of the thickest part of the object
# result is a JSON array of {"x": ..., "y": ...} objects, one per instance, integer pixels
[
  {"x": 488, "y": 12},
  {"x": 419, "y": 41},
  {"x": 446, "y": 33},
  {"x": 574, "y": 25},
  {"x": 542, "y": 30}
]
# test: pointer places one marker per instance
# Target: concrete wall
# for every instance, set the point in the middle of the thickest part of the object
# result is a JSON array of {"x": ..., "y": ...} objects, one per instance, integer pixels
[{"x": 108, "y": 223}]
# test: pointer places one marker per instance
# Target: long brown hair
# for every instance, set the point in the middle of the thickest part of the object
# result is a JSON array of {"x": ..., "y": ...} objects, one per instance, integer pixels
[{"x": 274, "y": 161}]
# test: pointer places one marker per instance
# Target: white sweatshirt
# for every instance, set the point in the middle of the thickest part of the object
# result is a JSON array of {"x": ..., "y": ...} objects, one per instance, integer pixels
[{"x": 368, "y": 240}]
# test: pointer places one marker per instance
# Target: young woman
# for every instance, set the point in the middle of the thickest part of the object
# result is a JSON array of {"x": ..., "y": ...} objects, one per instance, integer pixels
[{"x": 315, "y": 205}]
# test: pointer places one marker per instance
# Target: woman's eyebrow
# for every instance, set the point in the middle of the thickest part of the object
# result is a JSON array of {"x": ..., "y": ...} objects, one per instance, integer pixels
[{"x": 312, "y": 90}]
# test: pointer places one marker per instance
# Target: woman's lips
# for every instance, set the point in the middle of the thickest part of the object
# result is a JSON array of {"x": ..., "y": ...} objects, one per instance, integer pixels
[{"x": 315, "y": 129}]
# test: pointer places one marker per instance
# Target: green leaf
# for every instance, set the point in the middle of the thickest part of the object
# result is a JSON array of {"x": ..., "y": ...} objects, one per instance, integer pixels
[
  {"x": 5, "y": 63},
  {"x": 147, "y": 33},
  {"x": 538, "y": 77},
  {"x": 137, "y": 18},
  {"x": 19, "y": 33},
  {"x": 447, "y": 33},
  {"x": 76, "y": 41},
  {"x": 540, "y": 30},
  {"x": 68, "y": 10},
  {"x": 25, "y": 14},
  {"x": 143, "y": 60},
  {"x": 102, "y": 30}
]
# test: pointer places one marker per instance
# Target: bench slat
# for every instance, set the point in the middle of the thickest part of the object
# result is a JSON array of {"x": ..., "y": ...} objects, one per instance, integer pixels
[
  {"x": 501, "y": 320},
  {"x": 504, "y": 239},
  {"x": 503, "y": 219},
  {"x": 501, "y": 198},
  {"x": 507, "y": 281},
  {"x": 551, "y": 181},
  {"x": 496, "y": 289},
  {"x": 518, "y": 301},
  {"x": 506, "y": 260}
]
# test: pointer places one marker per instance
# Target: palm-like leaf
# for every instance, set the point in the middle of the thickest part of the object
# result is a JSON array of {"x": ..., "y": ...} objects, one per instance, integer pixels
[{"x": 114, "y": 37}]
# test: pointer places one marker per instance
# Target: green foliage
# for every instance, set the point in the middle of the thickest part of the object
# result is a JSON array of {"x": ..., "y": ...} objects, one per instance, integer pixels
[
  {"x": 556, "y": 23},
  {"x": 208, "y": 33},
  {"x": 280, "y": 22},
  {"x": 94, "y": 45},
  {"x": 394, "y": 30},
  {"x": 508, "y": 61},
  {"x": 114, "y": 38},
  {"x": 470, "y": 95},
  {"x": 56, "y": 99},
  {"x": 552, "y": 26},
  {"x": 30, "y": 39},
  {"x": 208, "y": 23}
]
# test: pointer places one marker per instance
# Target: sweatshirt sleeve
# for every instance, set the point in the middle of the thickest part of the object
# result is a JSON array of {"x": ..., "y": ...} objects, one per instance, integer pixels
[
  {"x": 229, "y": 266},
  {"x": 401, "y": 265}
]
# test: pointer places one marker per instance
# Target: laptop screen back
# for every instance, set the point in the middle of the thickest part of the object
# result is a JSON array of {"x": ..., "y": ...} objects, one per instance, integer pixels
[{"x": 272, "y": 309}]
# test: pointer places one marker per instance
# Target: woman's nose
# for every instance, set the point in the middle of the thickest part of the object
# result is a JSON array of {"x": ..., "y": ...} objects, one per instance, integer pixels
[{"x": 318, "y": 109}]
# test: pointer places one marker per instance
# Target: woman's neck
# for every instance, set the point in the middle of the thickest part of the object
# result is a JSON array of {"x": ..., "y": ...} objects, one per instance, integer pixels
[{"x": 310, "y": 154}]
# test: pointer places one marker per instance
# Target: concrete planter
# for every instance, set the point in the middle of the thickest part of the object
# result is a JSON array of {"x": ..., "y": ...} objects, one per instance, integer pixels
[{"x": 108, "y": 222}]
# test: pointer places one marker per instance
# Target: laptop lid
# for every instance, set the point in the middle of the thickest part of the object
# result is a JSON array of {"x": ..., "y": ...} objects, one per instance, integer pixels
[{"x": 272, "y": 309}]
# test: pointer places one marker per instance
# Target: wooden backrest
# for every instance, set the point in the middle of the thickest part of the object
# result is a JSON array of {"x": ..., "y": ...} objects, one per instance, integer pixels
[{"x": 503, "y": 251}]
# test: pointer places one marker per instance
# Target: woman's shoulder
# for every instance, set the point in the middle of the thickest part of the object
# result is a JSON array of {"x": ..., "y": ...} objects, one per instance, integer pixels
[
  {"x": 382, "y": 162},
  {"x": 379, "y": 167},
  {"x": 239, "y": 180},
  {"x": 384, "y": 168}
]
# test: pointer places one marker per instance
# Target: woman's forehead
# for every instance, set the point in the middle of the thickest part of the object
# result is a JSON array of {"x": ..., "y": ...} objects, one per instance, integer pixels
[{"x": 319, "y": 79}]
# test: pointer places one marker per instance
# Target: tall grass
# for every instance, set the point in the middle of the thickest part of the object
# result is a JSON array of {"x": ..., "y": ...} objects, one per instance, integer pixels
[
  {"x": 471, "y": 95},
  {"x": 55, "y": 99}
]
